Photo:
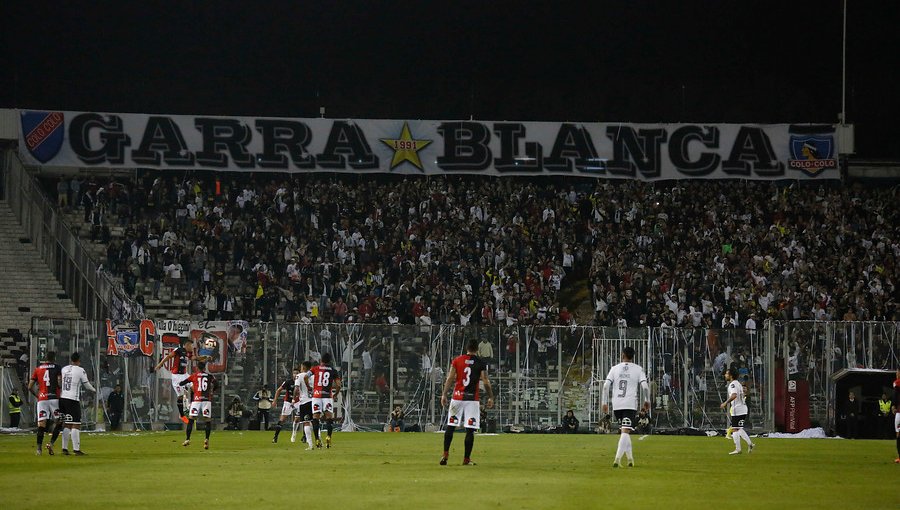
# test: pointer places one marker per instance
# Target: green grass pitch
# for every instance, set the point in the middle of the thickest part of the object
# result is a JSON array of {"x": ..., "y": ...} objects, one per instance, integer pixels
[{"x": 382, "y": 470}]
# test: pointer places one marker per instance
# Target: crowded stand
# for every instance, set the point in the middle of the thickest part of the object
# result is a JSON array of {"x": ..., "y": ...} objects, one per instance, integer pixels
[{"x": 461, "y": 250}]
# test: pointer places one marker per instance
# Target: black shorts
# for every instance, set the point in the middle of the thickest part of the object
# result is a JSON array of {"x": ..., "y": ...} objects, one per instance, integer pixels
[
  {"x": 70, "y": 410},
  {"x": 304, "y": 411},
  {"x": 626, "y": 417},
  {"x": 738, "y": 421}
]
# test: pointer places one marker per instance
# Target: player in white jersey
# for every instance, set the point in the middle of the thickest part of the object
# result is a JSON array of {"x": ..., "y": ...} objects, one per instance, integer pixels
[
  {"x": 303, "y": 404},
  {"x": 897, "y": 430},
  {"x": 627, "y": 381},
  {"x": 74, "y": 378},
  {"x": 738, "y": 411}
]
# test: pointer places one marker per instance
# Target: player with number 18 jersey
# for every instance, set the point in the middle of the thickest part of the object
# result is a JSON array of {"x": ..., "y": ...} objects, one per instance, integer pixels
[{"x": 324, "y": 379}]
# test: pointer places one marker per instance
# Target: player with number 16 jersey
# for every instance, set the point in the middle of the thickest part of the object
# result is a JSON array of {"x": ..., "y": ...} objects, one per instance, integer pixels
[{"x": 204, "y": 385}]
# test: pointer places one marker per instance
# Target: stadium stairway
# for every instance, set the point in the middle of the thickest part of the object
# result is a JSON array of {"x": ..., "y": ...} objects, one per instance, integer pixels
[
  {"x": 165, "y": 305},
  {"x": 30, "y": 289},
  {"x": 575, "y": 294}
]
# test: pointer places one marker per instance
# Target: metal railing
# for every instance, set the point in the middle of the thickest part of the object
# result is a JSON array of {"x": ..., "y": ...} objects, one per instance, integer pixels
[
  {"x": 537, "y": 372},
  {"x": 94, "y": 292}
]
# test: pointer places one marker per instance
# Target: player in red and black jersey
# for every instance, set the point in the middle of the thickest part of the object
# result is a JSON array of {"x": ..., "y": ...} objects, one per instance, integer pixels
[
  {"x": 204, "y": 385},
  {"x": 896, "y": 400},
  {"x": 326, "y": 384},
  {"x": 48, "y": 377},
  {"x": 287, "y": 406},
  {"x": 179, "y": 361},
  {"x": 466, "y": 371}
]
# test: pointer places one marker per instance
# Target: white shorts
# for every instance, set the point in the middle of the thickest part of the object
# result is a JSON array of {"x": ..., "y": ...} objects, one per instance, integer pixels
[
  {"x": 322, "y": 405},
  {"x": 180, "y": 390},
  {"x": 48, "y": 409},
  {"x": 201, "y": 410},
  {"x": 465, "y": 413},
  {"x": 287, "y": 409}
]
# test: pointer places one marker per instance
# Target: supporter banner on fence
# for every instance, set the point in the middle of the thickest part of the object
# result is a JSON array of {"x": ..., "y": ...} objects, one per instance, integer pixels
[
  {"x": 172, "y": 333},
  {"x": 217, "y": 339},
  {"x": 130, "y": 337},
  {"x": 432, "y": 147}
]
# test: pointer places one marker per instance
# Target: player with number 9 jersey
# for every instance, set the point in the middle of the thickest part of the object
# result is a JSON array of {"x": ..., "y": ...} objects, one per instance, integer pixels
[{"x": 626, "y": 380}]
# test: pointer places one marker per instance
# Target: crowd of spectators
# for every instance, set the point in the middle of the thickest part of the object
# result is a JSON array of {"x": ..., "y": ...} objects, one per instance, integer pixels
[
  {"x": 726, "y": 254},
  {"x": 462, "y": 250}
]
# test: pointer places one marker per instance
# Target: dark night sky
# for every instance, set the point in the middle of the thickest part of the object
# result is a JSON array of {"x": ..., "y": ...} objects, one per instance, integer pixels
[{"x": 633, "y": 61}]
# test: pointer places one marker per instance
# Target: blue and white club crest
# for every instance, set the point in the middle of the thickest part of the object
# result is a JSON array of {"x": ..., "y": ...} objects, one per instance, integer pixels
[{"x": 43, "y": 133}]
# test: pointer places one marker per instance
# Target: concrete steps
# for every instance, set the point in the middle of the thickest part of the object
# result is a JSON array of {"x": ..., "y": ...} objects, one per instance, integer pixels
[{"x": 29, "y": 287}]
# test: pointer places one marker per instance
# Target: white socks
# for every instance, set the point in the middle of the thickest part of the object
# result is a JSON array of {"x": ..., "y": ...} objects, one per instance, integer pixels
[
  {"x": 76, "y": 439},
  {"x": 739, "y": 434},
  {"x": 307, "y": 429},
  {"x": 65, "y": 438},
  {"x": 624, "y": 447},
  {"x": 295, "y": 426}
]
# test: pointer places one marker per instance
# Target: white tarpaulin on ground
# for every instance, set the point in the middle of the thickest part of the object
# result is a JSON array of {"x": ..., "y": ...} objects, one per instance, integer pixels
[{"x": 813, "y": 433}]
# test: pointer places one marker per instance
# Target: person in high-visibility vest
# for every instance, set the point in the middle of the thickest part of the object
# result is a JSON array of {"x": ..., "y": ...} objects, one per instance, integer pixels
[
  {"x": 15, "y": 408},
  {"x": 885, "y": 416}
]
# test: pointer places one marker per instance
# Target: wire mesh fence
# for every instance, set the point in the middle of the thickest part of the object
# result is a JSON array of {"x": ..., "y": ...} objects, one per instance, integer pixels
[{"x": 537, "y": 372}]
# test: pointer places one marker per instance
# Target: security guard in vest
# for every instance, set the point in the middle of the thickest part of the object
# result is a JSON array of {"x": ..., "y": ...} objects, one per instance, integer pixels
[
  {"x": 885, "y": 417},
  {"x": 15, "y": 408}
]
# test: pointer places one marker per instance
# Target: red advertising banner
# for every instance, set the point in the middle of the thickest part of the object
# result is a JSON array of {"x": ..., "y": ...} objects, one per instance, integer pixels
[{"x": 796, "y": 406}]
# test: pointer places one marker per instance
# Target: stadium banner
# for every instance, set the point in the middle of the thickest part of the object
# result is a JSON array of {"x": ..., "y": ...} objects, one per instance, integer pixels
[
  {"x": 130, "y": 337},
  {"x": 796, "y": 407},
  {"x": 172, "y": 333},
  {"x": 217, "y": 339},
  {"x": 429, "y": 147}
]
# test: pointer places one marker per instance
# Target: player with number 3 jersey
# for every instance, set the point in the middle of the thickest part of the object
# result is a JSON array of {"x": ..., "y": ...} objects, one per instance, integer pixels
[{"x": 466, "y": 373}]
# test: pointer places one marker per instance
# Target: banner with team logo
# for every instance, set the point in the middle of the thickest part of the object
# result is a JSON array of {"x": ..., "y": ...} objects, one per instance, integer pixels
[
  {"x": 216, "y": 340},
  {"x": 212, "y": 340},
  {"x": 130, "y": 337},
  {"x": 429, "y": 147},
  {"x": 172, "y": 334}
]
